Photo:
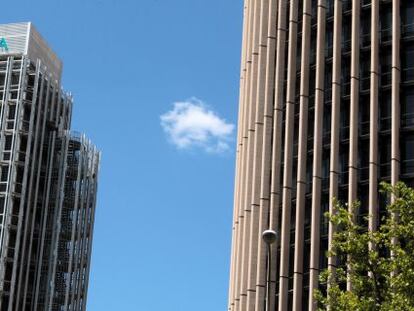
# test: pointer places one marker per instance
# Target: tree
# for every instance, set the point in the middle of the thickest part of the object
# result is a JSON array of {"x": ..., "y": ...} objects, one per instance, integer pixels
[{"x": 379, "y": 264}]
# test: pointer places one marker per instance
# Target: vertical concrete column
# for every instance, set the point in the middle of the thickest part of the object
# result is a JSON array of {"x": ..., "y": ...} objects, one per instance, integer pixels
[
  {"x": 277, "y": 141},
  {"x": 288, "y": 158},
  {"x": 238, "y": 160},
  {"x": 317, "y": 153},
  {"x": 251, "y": 118},
  {"x": 243, "y": 157},
  {"x": 335, "y": 121},
  {"x": 302, "y": 156},
  {"x": 395, "y": 99},
  {"x": 258, "y": 97},
  {"x": 354, "y": 103},
  {"x": 373, "y": 129},
  {"x": 266, "y": 154},
  {"x": 395, "y": 92}
]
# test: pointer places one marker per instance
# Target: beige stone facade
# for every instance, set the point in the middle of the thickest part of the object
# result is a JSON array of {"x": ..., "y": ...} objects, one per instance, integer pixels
[{"x": 326, "y": 111}]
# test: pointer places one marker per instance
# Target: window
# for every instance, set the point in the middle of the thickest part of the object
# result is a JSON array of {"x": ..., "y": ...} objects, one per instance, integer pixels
[
  {"x": 386, "y": 66},
  {"x": 363, "y": 159},
  {"x": 407, "y": 153},
  {"x": 12, "y": 112},
  {"x": 344, "y": 120},
  {"x": 2, "y": 80},
  {"x": 407, "y": 62},
  {"x": 4, "y": 173},
  {"x": 8, "y": 142},
  {"x": 343, "y": 164},
  {"x": 407, "y": 17},
  {"x": 407, "y": 107},
  {"x": 15, "y": 78},
  {"x": 364, "y": 113},
  {"x": 346, "y": 34},
  {"x": 365, "y": 28},
  {"x": 385, "y": 111},
  {"x": 364, "y": 71},
  {"x": 329, "y": 40},
  {"x": 385, "y": 156},
  {"x": 346, "y": 76},
  {"x": 386, "y": 22}
]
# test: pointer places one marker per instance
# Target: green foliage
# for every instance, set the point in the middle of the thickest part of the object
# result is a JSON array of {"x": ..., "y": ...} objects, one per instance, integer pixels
[{"x": 379, "y": 264}]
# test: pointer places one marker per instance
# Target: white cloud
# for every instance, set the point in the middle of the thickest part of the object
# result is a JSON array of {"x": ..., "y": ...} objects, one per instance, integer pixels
[{"x": 192, "y": 124}]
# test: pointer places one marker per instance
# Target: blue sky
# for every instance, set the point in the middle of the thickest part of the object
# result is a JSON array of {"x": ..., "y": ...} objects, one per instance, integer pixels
[{"x": 155, "y": 84}]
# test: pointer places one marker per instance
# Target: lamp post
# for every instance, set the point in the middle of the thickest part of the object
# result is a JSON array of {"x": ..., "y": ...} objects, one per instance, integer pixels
[{"x": 269, "y": 237}]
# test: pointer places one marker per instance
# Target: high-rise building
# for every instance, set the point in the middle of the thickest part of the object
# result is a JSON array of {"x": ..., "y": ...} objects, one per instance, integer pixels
[
  {"x": 326, "y": 111},
  {"x": 48, "y": 181}
]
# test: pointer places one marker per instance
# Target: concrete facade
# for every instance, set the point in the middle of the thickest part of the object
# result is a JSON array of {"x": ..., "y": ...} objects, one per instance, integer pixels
[
  {"x": 48, "y": 181},
  {"x": 326, "y": 111}
]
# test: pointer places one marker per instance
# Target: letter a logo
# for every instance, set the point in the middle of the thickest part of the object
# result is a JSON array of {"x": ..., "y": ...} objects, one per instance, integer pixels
[{"x": 3, "y": 45}]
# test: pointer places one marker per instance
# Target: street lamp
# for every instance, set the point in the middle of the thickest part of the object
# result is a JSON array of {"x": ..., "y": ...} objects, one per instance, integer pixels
[{"x": 269, "y": 237}]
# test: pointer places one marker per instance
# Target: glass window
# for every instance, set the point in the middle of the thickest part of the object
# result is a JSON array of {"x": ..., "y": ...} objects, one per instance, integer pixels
[
  {"x": 344, "y": 117},
  {"x": 365, "y": 70},
  {"x": 408, "y": 147},
  {"x": 346, "y": 34},
  {"x": 8, "y": 142},
  {"x": 408, "y": 55},
  {"x": 363, "y": 154},
  {"x": 385, "y": 111},
  {"x": 4, "y": 173},
  {"x": 2, "y": 80},
  {"x": 407, "y": 62},
  {"x": 364, "y": 109},
  {"x": 407, "y": 107},
  {"x": 365, "y": 28},
  {"x": 386, "y": 65},
  {"x": 407, "y": 17},
  {"x": 386, "y": 21},
  {"x": 407, "y": 153}
]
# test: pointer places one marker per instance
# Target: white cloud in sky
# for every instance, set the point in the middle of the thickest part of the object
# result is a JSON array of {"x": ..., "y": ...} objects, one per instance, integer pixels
[{"x": 192, "y": 123}]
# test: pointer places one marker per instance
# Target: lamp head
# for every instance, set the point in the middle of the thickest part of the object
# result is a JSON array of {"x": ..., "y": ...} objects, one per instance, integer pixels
[{"x": 269, "y": 236}]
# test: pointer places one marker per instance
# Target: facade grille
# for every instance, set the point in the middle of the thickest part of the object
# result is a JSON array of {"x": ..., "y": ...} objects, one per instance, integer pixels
[{"x": 48, "y": 186}]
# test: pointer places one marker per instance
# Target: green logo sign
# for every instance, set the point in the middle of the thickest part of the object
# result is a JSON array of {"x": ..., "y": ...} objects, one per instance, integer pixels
[{"x": 3, "y": 45}]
